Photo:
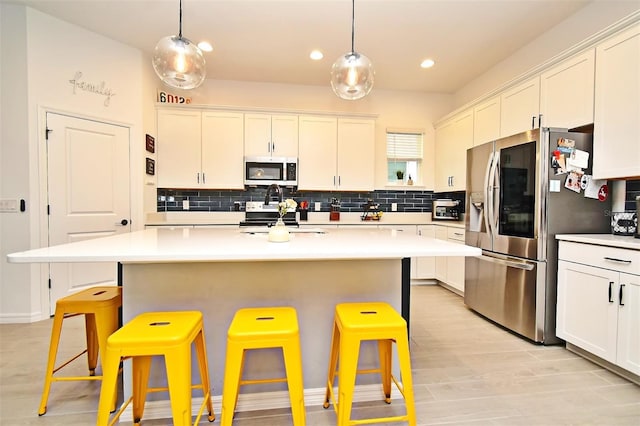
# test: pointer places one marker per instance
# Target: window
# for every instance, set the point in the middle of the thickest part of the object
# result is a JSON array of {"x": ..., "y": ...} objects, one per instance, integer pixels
[{"x": 404, "y": 156}]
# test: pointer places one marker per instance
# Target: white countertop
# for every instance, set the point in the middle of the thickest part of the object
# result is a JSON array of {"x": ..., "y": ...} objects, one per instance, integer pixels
[
  {"x": 609, "y": 240},
  {"x": 216, "y": 245}
]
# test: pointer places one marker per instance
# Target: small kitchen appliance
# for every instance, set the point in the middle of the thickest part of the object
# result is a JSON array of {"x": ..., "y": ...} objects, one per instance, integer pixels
[
  {"x": 446, "y": 209},
  {"x": 265, "y": 171}
]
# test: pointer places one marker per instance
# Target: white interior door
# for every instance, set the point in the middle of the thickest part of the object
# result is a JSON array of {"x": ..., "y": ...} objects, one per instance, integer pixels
[{"x": 88, "y": 195}]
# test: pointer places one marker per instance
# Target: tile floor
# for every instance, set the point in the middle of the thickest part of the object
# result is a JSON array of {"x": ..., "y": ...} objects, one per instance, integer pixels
[{"x": 467, "y": 371}]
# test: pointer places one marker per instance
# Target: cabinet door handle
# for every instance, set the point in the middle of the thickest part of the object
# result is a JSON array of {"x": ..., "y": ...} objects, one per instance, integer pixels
[
  {"x": 204, "y": 178},
  {"x": 533, "y": 122},
  {"x": 610, "y": 291},
  {"x": 614, "y": 259},
  {"x": 339, "y": 181},
  {"x": 273, "y": 147},
  {"x": 620, "y": 295},
  {"x": 268, "y": 146},
  {"x": 198, "y": 177}
]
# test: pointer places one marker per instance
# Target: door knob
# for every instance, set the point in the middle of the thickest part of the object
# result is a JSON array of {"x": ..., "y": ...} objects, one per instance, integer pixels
[{"x": 124, "y": 222}]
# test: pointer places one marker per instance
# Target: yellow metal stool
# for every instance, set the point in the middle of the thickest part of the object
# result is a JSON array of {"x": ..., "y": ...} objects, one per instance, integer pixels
[
  {"x": 170, "y": 334},
  {"x": 99, "y": 305},
  {"x": 353, "y": 323},
  {"x": 261, "y": 328}
]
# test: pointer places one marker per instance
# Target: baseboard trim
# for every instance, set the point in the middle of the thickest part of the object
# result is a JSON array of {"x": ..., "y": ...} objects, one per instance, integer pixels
[{"x": 22, "y": 318}]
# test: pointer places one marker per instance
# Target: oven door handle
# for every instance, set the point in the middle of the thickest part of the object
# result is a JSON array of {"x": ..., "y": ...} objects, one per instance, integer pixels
[{"x": 518, "y": 264}]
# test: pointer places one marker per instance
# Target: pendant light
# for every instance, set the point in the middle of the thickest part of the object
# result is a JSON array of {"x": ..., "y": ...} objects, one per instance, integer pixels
[
  {"x": 178, "y": 62},
  {"x": 352, "y": 73}
]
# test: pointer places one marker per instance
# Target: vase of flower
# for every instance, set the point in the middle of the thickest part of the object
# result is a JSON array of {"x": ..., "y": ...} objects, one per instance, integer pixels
[{"x": 279, "y": 233}]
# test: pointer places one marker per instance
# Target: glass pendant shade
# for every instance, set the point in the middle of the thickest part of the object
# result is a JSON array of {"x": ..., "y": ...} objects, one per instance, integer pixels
[
  {"x": 352, "y": 76},
  {"x": 179, "y": 63}
]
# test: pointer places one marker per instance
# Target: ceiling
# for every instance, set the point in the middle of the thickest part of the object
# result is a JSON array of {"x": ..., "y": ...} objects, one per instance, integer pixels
[{"x": 270, "y": 40}]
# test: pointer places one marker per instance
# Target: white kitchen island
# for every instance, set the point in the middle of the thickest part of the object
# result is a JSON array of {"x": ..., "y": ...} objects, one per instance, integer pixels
[{"x": 218, "y": 271}]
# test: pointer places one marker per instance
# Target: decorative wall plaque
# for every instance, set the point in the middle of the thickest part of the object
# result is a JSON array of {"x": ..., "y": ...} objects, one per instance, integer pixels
[
  {"x": 151, "y": 166},
  {"x": 151, "y": 144}
]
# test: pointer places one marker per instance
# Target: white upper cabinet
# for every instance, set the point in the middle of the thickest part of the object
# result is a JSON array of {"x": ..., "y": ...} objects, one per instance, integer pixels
[
  {"x": 520, "y": 108},
  {"x": 453, "y": 138},
  {"x": 336, "y": 154},
  {"x": 486, "y": 122},
  {"x": 271, "y": 135},
  {"x": 566, "y": 92},
  {"x": 616, "y": 141},
  {"x": 222, "y": 160},
  {"x": 178, "y": 148},
  {"x": 317, "y": 152},
  {"x": 200, "y": 149},
  {"x": 356, "y": 153}
]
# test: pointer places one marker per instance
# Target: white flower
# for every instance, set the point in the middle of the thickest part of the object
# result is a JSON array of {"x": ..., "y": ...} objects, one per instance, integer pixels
[{"x": 286, "y": 205}]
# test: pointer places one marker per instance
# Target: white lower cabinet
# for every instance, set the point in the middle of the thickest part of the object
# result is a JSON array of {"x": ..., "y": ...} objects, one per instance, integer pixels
[
  {"x": 450, "y": 269},
  {"x": 598, "y": 306},
  {"x": 426, "y": 266}
]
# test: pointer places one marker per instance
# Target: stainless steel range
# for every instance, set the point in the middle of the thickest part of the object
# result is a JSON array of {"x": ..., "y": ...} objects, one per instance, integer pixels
[{"x": 259, "y": 214}]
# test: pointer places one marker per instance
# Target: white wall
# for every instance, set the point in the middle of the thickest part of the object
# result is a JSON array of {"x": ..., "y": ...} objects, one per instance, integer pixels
[
  {"x": 49, "y": 53},
  {"x": 588, "y": 21}
]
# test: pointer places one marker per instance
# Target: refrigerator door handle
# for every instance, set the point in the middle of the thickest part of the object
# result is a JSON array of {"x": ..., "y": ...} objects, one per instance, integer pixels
[
  {"x": 510, "y": 263},
  {"x": 487, "y": 196},
  {"x": 491, "y": 210}
]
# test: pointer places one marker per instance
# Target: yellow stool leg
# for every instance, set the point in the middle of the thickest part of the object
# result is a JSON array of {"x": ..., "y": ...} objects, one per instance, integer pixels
[
  {"x": 141, "y": 366},
  {"x": 384, "y": 352},
  {"x": 178, "y": 364},
  {"x": 106, "y": 323},
  {"x": 293, "y": 366},
  {"x": 407, "y": 381},
  {"x": 56, "y": 329},
  {"x": 232, "y": 375},
  {"x": 204, "y": 373},
  {"x": 109, "y": 382},
  {"x": 349, "y": 353},
  {"x": 333, "y": 363},
  {"x": 92, "y": 342}
]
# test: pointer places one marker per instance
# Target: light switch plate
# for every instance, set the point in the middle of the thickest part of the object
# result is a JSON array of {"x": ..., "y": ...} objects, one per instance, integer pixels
[
  {"x": 317, "y": 206},
  {"x": 9, "y": 205}
]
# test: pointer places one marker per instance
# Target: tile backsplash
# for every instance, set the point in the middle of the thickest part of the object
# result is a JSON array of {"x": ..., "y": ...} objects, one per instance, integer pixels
[
  {"x": 212, "y": 200},
  {"x": 416, "y": 201}
]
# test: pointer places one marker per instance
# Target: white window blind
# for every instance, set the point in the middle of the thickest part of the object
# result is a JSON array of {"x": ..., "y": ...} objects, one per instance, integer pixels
[{"x": 404, "y": 146}]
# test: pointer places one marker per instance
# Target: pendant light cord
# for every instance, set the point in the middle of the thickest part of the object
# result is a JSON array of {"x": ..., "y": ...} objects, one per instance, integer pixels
[
  {"x": 353, "y": 23},
  {"x": 180, "y": 32}
]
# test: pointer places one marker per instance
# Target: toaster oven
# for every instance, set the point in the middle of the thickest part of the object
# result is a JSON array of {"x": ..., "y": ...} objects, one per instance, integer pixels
[{"x": 446, "y": 209}]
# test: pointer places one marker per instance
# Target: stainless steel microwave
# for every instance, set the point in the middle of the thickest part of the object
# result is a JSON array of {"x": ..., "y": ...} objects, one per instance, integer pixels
[{"x": 259, "y": 171}]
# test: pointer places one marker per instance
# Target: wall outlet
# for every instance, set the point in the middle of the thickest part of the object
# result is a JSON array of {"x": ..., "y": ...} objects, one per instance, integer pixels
[
  {"x": 394, "y": 207},
  {"x": 185, "y": 204},
  {"x": 317, "y": 206}
]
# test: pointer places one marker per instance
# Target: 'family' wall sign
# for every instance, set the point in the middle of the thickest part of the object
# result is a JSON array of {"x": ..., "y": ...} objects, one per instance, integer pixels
[{"x": 97, "y": 88}]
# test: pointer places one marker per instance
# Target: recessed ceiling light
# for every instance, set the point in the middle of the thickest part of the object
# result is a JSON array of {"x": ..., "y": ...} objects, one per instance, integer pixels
[
  {"x": 427, "y": 63},
  {"x": 205, "y": 46},
  {"x": 316, "y": 55}
]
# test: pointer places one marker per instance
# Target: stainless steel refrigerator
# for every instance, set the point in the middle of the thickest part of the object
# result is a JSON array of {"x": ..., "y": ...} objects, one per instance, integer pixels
[{"x": 520, "y": 194}]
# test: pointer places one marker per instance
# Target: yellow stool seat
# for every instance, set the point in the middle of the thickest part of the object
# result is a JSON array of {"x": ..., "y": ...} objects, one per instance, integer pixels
[
  {"x": 168, "y": 334},
  {"x": 99, "y": 305},
  {"x": 261, "y": 328},
  {"x": 354, "y": 323}
]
